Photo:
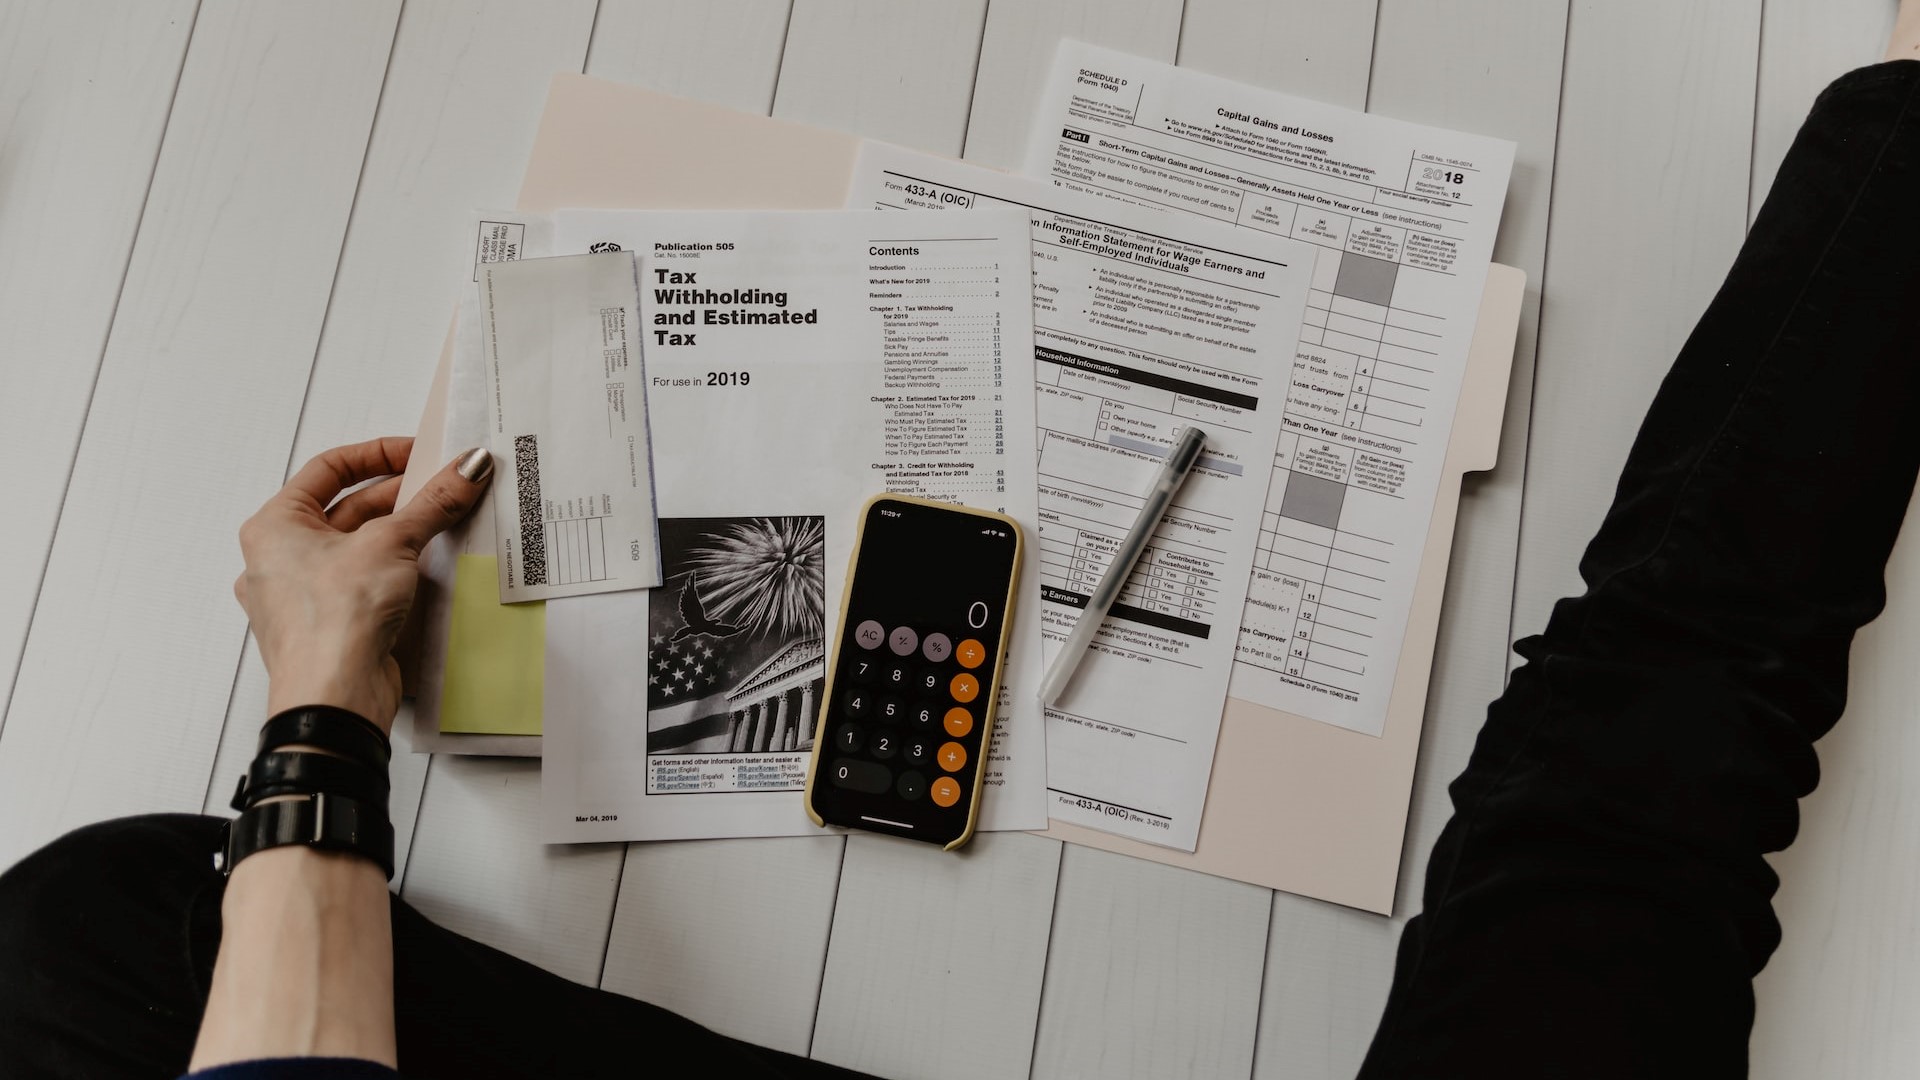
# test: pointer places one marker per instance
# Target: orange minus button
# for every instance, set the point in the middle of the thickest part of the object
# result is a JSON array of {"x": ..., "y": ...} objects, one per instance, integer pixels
[
  {"x": 970, "y": 653},
  {"x": 946, "y": 791},
  {"x": 958, "y": 722},
  {"x": 964, "y": 687}
]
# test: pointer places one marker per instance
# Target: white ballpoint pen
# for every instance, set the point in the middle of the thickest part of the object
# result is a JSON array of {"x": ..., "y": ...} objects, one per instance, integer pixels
[{"x": 1173, "y": 473}]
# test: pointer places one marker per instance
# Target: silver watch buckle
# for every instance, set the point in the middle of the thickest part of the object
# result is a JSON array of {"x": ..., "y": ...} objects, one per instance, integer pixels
[{"x": 319, "y": 816}]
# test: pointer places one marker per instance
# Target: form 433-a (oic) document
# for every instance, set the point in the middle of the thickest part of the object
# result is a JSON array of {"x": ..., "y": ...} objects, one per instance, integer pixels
[
  {"x": 1144, "y": 324},
  {"x": 1401, "y": 221},
  {"x": 798, "y": 363}
]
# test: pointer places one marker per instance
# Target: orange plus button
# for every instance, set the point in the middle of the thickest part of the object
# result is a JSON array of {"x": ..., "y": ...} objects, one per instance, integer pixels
[
  {"x": 946, "y": 791},
  {"x": 970, "y": 653},
  {"x": 964, "y": 687},
  {"x": 958, "y": 721},
  {"x": 953, "y": 756}
]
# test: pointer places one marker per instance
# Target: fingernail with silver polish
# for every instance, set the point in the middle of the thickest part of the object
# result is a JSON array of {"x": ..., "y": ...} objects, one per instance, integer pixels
[{"x": 476, "y": 464}]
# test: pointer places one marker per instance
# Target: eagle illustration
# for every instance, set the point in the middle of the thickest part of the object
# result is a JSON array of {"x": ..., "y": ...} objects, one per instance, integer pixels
[{"x": 696, "y": 619}]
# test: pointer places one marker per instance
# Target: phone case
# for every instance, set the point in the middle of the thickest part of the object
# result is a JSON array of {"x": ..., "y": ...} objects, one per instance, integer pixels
[{"x": 992, "y": 696}]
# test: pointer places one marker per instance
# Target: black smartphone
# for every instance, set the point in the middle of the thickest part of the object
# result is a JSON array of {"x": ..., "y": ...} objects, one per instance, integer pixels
[{"x": 914, "y": 673}]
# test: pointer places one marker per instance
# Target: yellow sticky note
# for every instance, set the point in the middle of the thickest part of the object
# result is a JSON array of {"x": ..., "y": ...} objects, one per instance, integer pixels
[{"x": 496, "y": 656}]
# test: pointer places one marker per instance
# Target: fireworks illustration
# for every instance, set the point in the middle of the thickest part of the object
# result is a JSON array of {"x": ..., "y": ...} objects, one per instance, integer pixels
[{"x": 766, "y": 575}]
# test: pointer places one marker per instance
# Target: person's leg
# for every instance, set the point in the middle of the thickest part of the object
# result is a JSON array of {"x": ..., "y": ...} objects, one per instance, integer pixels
[
  {"x": 107, "y": 940},
  {"x": 1599, "y": 903},
  {"x": 102, "y": 969}
]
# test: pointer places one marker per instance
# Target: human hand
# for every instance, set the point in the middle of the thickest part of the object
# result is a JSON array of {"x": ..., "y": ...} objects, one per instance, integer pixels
[{"x": 328, "y": 588}]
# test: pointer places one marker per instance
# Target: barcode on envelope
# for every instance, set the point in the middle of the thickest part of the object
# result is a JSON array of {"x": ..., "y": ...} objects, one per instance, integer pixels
[{"x": 533, "y": 529}]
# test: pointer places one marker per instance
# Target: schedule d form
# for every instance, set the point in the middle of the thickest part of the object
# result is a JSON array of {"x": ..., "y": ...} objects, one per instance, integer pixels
[
  {"x": 1143, "y": 325},
  {"x": 1401, "y": 219}
]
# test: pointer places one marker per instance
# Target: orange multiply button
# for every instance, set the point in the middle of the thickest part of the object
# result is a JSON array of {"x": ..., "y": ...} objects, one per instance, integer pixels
[
  {"x": 970, "y": 653},
  {"x": 958, "y": 722},
  {"x": 946, "y": 791},
  {"x": 964, "y": 687}
]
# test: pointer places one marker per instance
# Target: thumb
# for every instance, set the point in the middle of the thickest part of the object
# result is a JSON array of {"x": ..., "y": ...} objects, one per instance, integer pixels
[{"x": 448, "y": 496}]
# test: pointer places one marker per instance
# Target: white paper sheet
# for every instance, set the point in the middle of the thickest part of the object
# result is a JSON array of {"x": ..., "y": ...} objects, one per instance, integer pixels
[
  {"x": 499, "y": 236},
  {"x": 1403, "y": 220},
  {"x": 567, "y": 398},
  {"x": 689, "y": 712},
  {"x": 1143, "y": 325}
]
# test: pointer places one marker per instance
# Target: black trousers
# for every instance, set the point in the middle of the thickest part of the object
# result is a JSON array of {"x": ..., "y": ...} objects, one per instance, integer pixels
[{"x": 1597, "y": 907}]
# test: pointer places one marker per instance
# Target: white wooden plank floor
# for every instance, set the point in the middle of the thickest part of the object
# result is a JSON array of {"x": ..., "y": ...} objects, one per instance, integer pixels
[{"x": 229, "y": 230}]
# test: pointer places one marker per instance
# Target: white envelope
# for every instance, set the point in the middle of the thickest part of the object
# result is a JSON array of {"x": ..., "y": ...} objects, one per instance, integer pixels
[{"x": 567, "y": 397}]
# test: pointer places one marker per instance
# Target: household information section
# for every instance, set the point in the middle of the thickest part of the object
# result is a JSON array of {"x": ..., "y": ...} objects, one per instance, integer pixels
[
  {"x": 1143, "y": 324},
  {"x": 1402, "y": 218},
  {"x": 797, "y": 363}
]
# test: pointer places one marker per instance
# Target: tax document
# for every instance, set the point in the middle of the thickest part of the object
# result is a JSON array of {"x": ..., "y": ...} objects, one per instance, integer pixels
[
  {"x": 1401, "y": 219},
  {"x": 568, "y": 426},
  {"x": 797, "y": 364},
  {"x": 1143, "y": 324}
]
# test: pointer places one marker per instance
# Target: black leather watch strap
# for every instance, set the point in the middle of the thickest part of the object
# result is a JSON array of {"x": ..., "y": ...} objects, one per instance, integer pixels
[
  {"x": 328, "y": 822},
  {"x": 294, "y": 772},
  {"x": 342, "y": 732}
]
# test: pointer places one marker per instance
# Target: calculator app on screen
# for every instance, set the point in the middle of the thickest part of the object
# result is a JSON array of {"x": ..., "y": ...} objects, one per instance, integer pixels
[{"x": 904, "y": 726}]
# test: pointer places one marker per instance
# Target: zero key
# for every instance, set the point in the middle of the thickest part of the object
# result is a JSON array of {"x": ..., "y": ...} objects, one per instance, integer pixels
[{"x": 867, "y": 776}]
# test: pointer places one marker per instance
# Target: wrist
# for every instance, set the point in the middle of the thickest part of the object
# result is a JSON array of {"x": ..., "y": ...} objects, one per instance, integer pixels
[
  {"x": 306, "y": 962},
  {"x": 361, "y": 696}
]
